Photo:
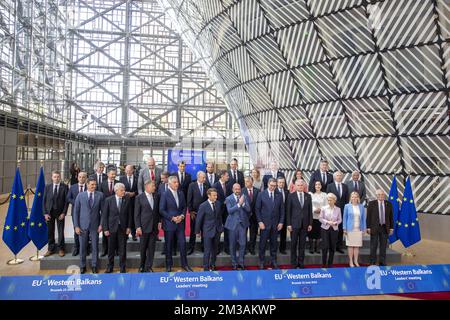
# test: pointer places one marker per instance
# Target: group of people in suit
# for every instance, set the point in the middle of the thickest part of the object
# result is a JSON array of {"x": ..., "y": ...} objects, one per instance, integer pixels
[{"x": 215, "y": 202}]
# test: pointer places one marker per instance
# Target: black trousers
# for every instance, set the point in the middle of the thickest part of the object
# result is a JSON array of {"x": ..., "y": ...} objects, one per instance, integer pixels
[
  {"x": 169, "y": 237},
  {"x": 253, "y": 232},
  {"x": 298, "y": 242},
  {"x": 147, "y": 248},
  {"x": 193, "y": 236},
  {"x": 283, "y": 235},
  {"x": 226, "y": 233},
  {"x": 340, "y": 240},
  {"x": 270, "y": 235},
  {"x": 105, "y": 242},
  {"x": 117, "y": 242},
  {"x": 378, "y": 236},
  {"x": 211, "y": 247},
  {"x": 329, "y": 240},
  {"x": 52, "y": 246}
]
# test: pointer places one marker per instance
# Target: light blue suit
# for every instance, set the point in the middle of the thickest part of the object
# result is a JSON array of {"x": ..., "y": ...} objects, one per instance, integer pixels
[
  {"x": 88, "y": 220},
  {"x": 349, "y": 216},
  {"x": 237, "y": 223}
]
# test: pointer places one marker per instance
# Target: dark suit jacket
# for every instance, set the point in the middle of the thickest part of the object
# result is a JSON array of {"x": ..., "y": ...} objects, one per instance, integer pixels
[
  {"x": 341, "y": 201},
  {"x": 94, "y": 176},
  {"x": 240, "y": 175},
  {"x": 252, "y": 201},
  {"x": 111, "y": 217},
  {"x": 128, "y": 188},
  {"x": 222, "y": 196},
  {"x": 268, "y": 176},
  {"x": 316, "y": 176},
  {"x": 216, "y": 178},
  {"x": 74, "y": 190},
  {"x": 61, "y": 203},
  {"x": 104, "y": 188},
  {"x": 296, "y": 216},
  {"x": 194, "y": 198},
  {"x": 168, "y": 209},
  {"x": 373, "y": 216},
  {"x": 162, "y": 189},
  {"x": 269, "y": 212},
  {"x": 208, "y": 221},
  {"x": 145, "y": 217},
  {"x": 187, "y": 181}
]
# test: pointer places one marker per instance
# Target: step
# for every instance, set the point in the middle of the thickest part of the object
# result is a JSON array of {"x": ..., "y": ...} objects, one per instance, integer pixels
[
  {"x": 56, "y": 262},
  {"x": 135, "y": 246}
]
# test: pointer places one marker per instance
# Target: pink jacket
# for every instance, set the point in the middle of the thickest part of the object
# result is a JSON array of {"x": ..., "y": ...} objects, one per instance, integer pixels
[{"x": 336, "y": 217}]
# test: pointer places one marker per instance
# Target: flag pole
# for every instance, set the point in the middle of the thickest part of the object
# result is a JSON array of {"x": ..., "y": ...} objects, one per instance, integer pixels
[
  {"x": 36, "y": 257},
  {"x": 16, "y": 260}
]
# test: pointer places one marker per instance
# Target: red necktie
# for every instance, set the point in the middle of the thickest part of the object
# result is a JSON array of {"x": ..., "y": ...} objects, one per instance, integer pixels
[
  {"x": 152, "y": 175},
  {"x": 81, "y": 189},
  {"x": 110, "y": 187},
  {"x": 251, "y": 194}
]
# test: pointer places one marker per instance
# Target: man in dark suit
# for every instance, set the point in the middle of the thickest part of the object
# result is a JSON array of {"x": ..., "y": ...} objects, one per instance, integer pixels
[
  {"x": 283, "y": 191},
  {"x": 209, "y": 224},
  {"x": 107, "y": 188},
  {"x": 149, "y": 172},
  {"x": 211, "y": 176},
  {"x": 99, "y": 176},
  {"x": 172, "y": 208},
  {"x": 299, "y": 219},
  {"x": 87, "y": 222},
  {"x": 55, "y": 209},
  {"x": 356, "y": 185},
  {"x": 321, "y": 175},
  {"x": 236, "y": 176},
  {"x": 74, "y": 190},
  {"x": 184, "y": 178},
  {"x": 131, "y": 182},
  {"x": 238, "y": 208},
  {"x": 380, "y": 225},
  {"x": 274, "y": 173},
  {"x": 252, "y": 194},
  {"x": 164, "y": 183},
  {"x": 270, "y": 216},
  {"x": 340, "y": 190},
  {"x": 146, "y": 217},
  {"x": 223, "y": 191},
  {"x": 195, "y": 197},
  {"x": 116, "y": 225}
]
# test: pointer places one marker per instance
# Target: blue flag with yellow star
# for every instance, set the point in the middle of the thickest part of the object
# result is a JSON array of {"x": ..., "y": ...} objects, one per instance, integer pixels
[
  {"x": 15, "y": 233},
  {"x": 408, "y": 226},
  {"x": 37, "y": 229},
  {"x": 394, "y": 200}
]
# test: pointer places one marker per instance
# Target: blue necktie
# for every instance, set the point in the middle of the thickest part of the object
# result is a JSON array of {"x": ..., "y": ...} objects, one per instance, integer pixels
[{"x": 91, "y": 200}]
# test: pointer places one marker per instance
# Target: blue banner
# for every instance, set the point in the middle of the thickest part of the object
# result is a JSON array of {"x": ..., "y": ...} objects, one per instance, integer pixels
[
  {"x": 229, "y": 285},
  {"x": 195, "y": 161}
]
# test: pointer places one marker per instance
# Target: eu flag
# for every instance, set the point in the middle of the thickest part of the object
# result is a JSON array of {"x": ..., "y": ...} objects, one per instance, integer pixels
[
  {"x": 15, "y": 233},
  {"x": 408, "y": 226},
  {"x": 37, "y": 229},
  {"x": 394, "y": 200}
]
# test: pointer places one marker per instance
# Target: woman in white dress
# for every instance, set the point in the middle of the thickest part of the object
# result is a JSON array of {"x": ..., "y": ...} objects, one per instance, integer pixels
[
  {"x": 354, "y": 226},
  {"x": 319, "y": 200}
]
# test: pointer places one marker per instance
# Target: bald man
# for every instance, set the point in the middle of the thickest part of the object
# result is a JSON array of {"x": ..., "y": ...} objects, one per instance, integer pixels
[{"x": 150, "y": 172}]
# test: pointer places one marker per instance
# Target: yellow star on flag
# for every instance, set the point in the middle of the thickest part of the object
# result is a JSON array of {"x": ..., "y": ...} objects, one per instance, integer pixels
[
  {"x": 22, "y": 224},
  {"x": 14, "y": 196},
  {"x": 40, "y": 224},
  {"x": 7, "y": 227},
  {"x": 15, "y": 228},
  {"x": 411, "y": 201},
  {"x": 21, "y": 197},
  {"x": 32, "y": 224},
  {"x": 406, "y": 225},
  {"x": 39, "y": 194},
  {"x": 404, "y": 199}
]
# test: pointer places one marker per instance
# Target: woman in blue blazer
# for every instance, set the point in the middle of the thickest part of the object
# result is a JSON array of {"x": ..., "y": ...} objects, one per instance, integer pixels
[{"x": 354, "y": 226}]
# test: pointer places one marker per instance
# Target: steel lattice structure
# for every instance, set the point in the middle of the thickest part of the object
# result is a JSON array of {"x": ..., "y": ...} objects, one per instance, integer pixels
[{"x": 361, "y": 83}]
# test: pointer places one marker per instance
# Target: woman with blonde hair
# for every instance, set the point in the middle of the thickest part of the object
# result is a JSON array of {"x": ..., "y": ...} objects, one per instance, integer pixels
[
  {"x": 330, "y": 217},
  {"x": 257, "y": 181},
  {"x": 354, "y": 226}
]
